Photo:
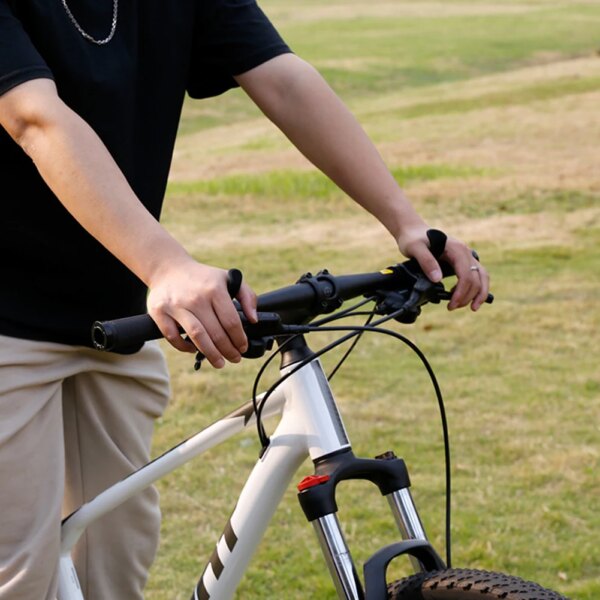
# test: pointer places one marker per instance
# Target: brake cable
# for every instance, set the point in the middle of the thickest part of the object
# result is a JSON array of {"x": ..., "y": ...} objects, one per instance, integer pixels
[
  {"x": 351, "y": 348},
  {"x": 349, "y": 312},
  {"x": 301, "y": 329},
  {"x": 357, "y": 331}
]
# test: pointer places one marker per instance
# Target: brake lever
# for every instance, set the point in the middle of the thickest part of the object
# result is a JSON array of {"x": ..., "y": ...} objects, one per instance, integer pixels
[
  {"x": 434, "y": 293},
  {"x": 260, "y": 335},
  {"x": 424, "y": 291},
  {"x": 408, "y": 304}
]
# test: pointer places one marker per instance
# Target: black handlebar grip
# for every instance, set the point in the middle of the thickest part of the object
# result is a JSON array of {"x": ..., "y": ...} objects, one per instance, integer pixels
[
  {"x": 130, "y": 333},
  {"x": 125, "y": 334}
]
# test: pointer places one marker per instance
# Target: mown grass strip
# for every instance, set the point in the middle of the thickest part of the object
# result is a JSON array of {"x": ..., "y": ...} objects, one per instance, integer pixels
[
  {"x": 290, "y": 184},
  {"x": 374, "y": 54},
  {"x": 365, "y": 57},
  {"x": 524, "y": 203},
  {"x": 516, "y": 96}
]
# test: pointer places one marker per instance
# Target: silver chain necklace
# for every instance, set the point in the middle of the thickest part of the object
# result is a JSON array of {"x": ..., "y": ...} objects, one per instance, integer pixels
[{"x": 86, "y": 35}]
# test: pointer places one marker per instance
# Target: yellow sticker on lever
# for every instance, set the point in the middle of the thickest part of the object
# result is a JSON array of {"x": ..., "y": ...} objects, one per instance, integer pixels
[{"x": 386, "y": 272}]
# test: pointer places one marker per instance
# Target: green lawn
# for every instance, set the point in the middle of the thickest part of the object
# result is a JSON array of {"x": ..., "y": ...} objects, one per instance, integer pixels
[{"x": 487, "y": 114}]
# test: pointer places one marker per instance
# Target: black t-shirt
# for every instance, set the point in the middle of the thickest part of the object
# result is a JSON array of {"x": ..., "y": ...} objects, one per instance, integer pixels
[{"x": 55, "y": 279}]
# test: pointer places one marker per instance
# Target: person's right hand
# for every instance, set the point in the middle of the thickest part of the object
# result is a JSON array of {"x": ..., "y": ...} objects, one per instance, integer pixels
[
  {"x": 473, "y": 280},
  {"x": 194, "y": 296}
]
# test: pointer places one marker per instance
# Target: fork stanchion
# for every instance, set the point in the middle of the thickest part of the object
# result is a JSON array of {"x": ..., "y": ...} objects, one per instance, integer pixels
[
  {"x": 407, "y": 519},
  {"x": 338, "y": 558},
  {"x": 406, "y": 515}
]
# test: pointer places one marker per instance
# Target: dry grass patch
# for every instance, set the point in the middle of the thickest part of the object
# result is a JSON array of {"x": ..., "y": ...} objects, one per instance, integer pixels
[{"x": 524, "y": 143}]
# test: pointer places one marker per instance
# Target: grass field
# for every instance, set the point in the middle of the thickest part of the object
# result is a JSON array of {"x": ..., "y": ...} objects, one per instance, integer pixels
[{"x": 487, "y": 112}]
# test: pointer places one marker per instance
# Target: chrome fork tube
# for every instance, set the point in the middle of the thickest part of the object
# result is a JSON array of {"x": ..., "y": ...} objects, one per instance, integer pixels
[
  {"x": 408, "y": 520},
  {"x": 338, "y": 558},
  {"x": 406, "y": 515}
]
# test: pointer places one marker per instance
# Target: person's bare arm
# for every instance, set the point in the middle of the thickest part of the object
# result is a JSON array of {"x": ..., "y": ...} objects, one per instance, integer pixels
[
  {"x": 81, "y": 172},
  {"x": 298, "y": 100}
]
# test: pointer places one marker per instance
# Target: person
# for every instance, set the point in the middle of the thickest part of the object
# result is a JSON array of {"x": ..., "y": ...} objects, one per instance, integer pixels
[{"x": 90, "y": 98}]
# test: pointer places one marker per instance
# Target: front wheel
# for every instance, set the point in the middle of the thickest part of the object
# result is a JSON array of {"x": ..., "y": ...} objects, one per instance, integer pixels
[{"x": 467, "y": 584}]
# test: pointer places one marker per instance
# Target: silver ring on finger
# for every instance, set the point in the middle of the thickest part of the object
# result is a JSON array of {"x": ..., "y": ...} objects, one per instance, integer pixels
[{"x": 474, "y": 268}]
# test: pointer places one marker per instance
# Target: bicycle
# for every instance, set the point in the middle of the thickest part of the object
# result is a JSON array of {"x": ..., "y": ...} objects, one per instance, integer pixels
[{"x": 310, "y": 425}]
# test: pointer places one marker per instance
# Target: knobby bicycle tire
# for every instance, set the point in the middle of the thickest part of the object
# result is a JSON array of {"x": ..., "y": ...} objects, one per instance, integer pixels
[{"x": 468, "y": 584}]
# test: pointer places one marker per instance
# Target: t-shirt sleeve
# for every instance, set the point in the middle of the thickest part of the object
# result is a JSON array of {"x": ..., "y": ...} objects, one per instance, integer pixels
[
  {"x": 19, "y": 60},
  {"x": 230, "y": 38}
]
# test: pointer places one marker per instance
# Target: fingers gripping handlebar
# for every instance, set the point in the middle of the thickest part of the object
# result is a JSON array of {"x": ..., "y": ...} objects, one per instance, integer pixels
[
  {"x": 132, "y": 332},
  {"x": 401, "y": 285}
]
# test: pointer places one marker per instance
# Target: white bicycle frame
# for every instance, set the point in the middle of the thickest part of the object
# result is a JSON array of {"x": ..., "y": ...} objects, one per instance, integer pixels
[{"x": 310, "y": 425}]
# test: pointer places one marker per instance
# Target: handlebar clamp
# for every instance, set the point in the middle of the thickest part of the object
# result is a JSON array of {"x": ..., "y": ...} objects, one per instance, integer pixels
[{"x": 326, "y": 296}]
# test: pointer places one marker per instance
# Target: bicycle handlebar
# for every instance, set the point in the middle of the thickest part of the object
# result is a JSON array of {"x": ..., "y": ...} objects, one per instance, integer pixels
[{"x": 295, "y": 304}]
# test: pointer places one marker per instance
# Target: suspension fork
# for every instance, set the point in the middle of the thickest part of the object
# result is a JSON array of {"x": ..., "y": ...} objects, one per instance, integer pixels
[
  {"x": 330, "y": 449},
  {"x": 316, "y": 494}
]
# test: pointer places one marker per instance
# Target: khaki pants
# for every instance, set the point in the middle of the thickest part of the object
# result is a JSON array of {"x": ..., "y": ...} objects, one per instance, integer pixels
[{"x": 73, "y": 421}]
